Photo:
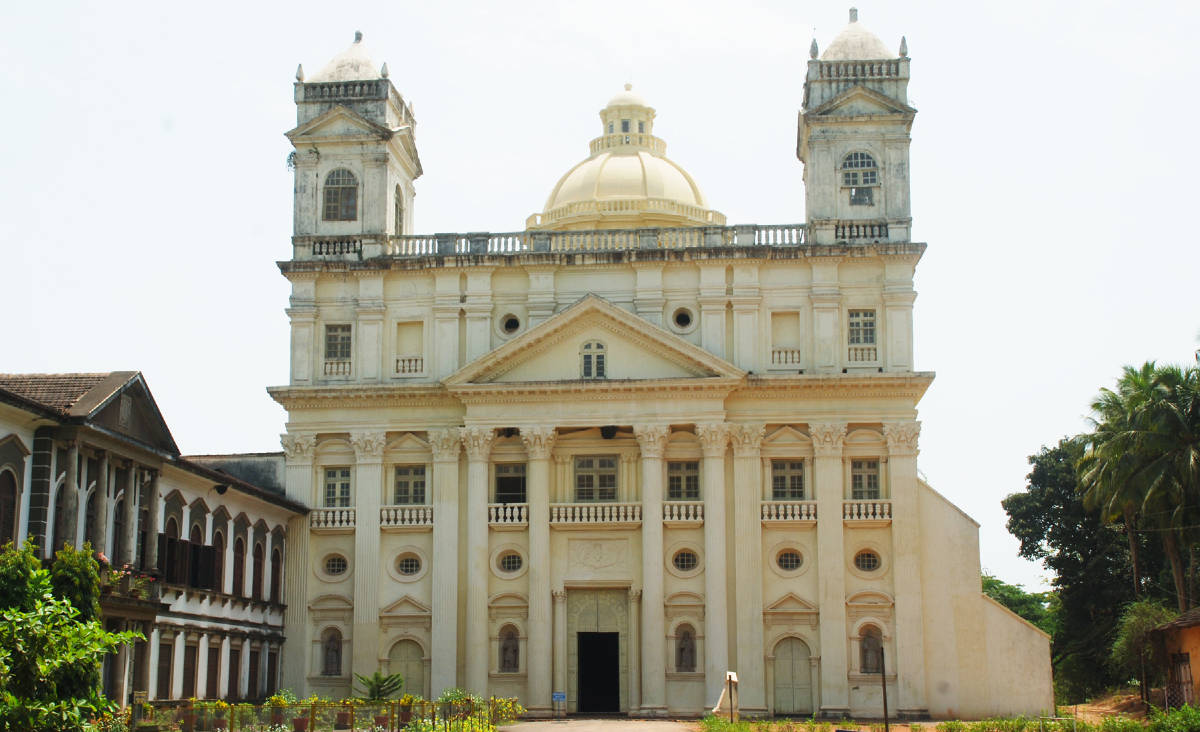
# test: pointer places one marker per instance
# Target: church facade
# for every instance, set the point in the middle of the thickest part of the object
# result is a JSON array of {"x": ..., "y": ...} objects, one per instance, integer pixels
[{"x": 629, "y": 448}]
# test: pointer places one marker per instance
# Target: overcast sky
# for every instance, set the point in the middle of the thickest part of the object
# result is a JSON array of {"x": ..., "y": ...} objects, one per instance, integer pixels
[{"x": 145, "y": 198}]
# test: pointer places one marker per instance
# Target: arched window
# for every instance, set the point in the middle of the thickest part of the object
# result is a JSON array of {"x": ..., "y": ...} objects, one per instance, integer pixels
[
  {"x": 257, "y": 593},
  {"x": 89, "y": 521},
  {"x": 398, "y": 226},
  {"x": 331, "y": 653},
  {"x": 510, "y": 650},
  {"x": 239, "y": 567},
  {"x": 341, "y": 196},
  {"x": 861, "y": 176},
  {"x": 685, "y": 648},
  {"x": 118, "y": 532},
  {"x": 197, "y": 536},
  {"x": 870, "y": 644},
  {"x": 276, "y": 573},
  {"x": 172, "y": 529},
  {"x": 60, "y": 520},
  {"x": 8, "y": 507},
  {"x": 219, "y": 569},
  {"x": 592, "y": 361}
]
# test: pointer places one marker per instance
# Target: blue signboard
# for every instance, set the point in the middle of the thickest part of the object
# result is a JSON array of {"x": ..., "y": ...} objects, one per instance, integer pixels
[{"x": 558, "y": 696}]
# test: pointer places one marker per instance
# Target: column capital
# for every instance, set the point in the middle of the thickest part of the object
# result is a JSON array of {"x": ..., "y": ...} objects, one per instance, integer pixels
[
  {"x": 478, "y": 441},
  {"x": 714, "y": 437},
  {"x": 652, "y": 438},
  {"x": 827, "y": 438},
  {"x": 368, "y": 446},
  {"x": 539, "y": 441},
  {"x": 746, "y": 438},
  {"x": 635, "y": 595},
  {"x": 559, "y": 595},
  {"x": 446, "y": 444},
  {"x": 298, "y": 447},
  {"x": 902, "y": 437}
]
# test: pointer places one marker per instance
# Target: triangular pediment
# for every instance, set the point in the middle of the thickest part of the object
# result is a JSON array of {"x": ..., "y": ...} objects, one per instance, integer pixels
[
  {"x": 407, "y": 606},
  {"x": 634, "y": 349},
  {"x": 129, "y": 410},
  {"x": 338, "y": 122},
  {"x": 787, "y": 435},
  {"x": 859, "y": 101},
  {"x": 791, "y": 603}
]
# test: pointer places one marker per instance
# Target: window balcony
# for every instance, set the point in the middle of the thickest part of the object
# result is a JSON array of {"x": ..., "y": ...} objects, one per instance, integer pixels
[
  {"x": 683, "y": 513},
  {"x": 591, "y": 515},
  {"x": 786, "y": 359},
  {"x": 410, "y": 365},
  {"x": 867, "y": 513},
  {"x": 400, "y": 518},
  {"x": 789, "y": 513},
  {"x": 508, "y": 516},
  {"x": 332, "y": 520},
  {"x": 338, "y": 367},
  {"x": 862, "y": 356}
]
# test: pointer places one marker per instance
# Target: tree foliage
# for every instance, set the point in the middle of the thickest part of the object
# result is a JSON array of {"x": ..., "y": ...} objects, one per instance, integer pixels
[
  {"x": 1132, "y": 649},
  {"x": 379, "y": 686},
  {"x": 1033, "y": 606}
]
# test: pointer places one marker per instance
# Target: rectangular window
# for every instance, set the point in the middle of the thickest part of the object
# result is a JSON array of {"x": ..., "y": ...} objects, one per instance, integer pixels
[
  {"x": 864, "y": 480},
  {"x": 787, "y": 480},
  {"x": 337, "y": 343},
  {"x": 410, "y": 348},
  {"x": 624, "y": 125},
  {"x": 410, "y": 485},
  {"x": 862, "y": 327},
  {"x": 337, "y": 487},
  {"x": 595, "y": 478},
  {"x": 641, "y": 126},
  {"x": 683, "y": 481},
  {"x": 510, "y": 483},
  {"x": 862, "y": 196}
]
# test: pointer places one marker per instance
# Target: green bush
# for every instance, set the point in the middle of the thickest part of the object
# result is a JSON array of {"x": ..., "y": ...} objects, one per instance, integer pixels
[{"x": 1181, "y": 719}]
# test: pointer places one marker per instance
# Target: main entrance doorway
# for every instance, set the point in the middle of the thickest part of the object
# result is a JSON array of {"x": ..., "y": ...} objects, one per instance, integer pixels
[
  {"x": 599, "y": 672},
  {"x": 793, "y": 677}
]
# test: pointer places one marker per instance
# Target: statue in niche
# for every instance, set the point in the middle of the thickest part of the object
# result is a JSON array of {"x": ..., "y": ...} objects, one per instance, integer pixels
[
  {"x": 872, "y": 651},
  {"x": 685, "y": 649},
  {"x": 510, "y": 651}
]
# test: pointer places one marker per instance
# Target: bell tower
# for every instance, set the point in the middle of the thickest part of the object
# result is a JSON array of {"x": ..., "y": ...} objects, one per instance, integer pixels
[
  {"x": 355, "y": 157},
  {"x": 853, "y": 138}
]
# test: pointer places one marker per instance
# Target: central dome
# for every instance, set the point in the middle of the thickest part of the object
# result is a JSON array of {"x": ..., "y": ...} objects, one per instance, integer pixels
[{"x": 627, "y": 182}]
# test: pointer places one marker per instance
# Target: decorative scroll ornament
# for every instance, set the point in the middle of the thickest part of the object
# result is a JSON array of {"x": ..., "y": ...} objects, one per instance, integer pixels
[
  {"x": 827, "y": 438},
  {"x": 652, "y": 438},
  {"x": 902, "y": 437},
  {"x": 478, "y": 441},
  {"x": 446, "y": 443},
  {"x": 539, "y": 441},
  {"x": 368, "y": 445},
  {"x": 746, "y": 438},
  {"x": 297, "y": 447},
  {"x": 713, "y": 436}
]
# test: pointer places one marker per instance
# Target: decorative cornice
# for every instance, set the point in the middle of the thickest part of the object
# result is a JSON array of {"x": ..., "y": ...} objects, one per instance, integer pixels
[
  {"x": 902, "y": 437},
  {"x": 652, "y": 438},
  {"x": 446, "y": 444},
  {"x": 297, "y": 446},
  {"x": 827, "y": 438},
  {"x": 714, "y": 437},
  {"x": 539, "y": 441},
  {"x": 746, "y": 438},
  {"x": 478, "y": 441},
  {"x": 368, "y": 446},
  {"x": 365, "y": 395},
  {"x": 593, "y": 390},
  {"x": 906, "y": 385}
]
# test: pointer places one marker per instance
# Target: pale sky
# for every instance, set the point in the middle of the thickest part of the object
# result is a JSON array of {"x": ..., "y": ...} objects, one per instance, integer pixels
[{"x": 145, "y": 198}]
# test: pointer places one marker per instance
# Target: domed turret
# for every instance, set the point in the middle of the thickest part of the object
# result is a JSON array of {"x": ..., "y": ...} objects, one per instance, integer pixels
[
  {"x": 353, "y": 64},
  {"x": 627, "y": 182},
  {"x": 856, "y": 43}
]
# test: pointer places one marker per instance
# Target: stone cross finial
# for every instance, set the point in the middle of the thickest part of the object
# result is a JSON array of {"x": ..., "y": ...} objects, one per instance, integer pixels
[
  {"x": 358, "y": 36},
  {"x": 853, "y": 15},
  {"x": 903, "y": 47},
  {"x": 299, "y": 72},
  {"x": 812, "y": 49}
]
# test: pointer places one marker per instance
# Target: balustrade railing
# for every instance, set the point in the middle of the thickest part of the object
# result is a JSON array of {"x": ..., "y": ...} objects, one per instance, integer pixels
[
  {"x": 337, "y": 368},
  {"x": 331, "y": 518},
  {"x": 851, "y": 230},
  {"x": 859, "y": 69},
  {"x": 399, "y": 516},
  {"x": 336, "y": 247},
  {"x": 862, "y": 354},
  {"x": 508, "y": 514},
  {"x": 622, "y": 139},
  {"x": 345, "y": 90},
  {"x": 786, "y": 356},
  {"x": 410, "y": 364},
  {"x": 867, "y": 510},
  {"x": 789, "y": 510},
  {"x": 595, "y": 513},
  {"x": 683, "y": 511}
]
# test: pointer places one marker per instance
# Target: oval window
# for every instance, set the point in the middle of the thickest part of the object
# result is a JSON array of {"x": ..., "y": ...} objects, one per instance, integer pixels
[
  {"x": 685, "y": 560},
  {"x": 789, "y": 560},
  {"x": 408, "y": 564},
  {"x": 867, "y": 561},
  {"x": 510, "y": 562},
  {"x": 336, "y": 565}
]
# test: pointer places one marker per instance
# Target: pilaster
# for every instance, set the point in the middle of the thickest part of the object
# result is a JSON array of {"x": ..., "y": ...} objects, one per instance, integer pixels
[
  {"x": 539, "y": 444},
  {"x": 177, "y": 665},
  {"x": 152, "y": 664},
  {"x": 906, "y": 549},
  {"x": 560, "y": 641},
  {"x": 478, "y": 308},
  {"x": 368, "y": 486},
  {"x": 714, "y": 439},
  {"x": 648, "y": 300},
  {"x": 829, "y": 491},
  {"x": 369, "y": 337},
  {"x": 478, "y": 443},
  {"x": 826, "y": 297},
  {"x": 298, "y": 479},
  {"x": 447, "y": 445},
  {"x": 635, "y": 667},
  {"x": 652, "y": 439},
  {"x": 747, "y": 481}
]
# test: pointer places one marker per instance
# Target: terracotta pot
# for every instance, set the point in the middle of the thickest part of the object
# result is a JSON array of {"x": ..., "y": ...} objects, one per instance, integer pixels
[
  {"x": 381, "y": 720},
  {"x": 343, "y": 720},
  {"x": 276, "y": 716},
  {"x": 405, "y": 715},
  {"x": 300, "y": 724}
]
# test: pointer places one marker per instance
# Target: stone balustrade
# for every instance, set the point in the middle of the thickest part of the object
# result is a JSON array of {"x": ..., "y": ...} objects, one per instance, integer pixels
[
  {"x": 786, "y": 357},
  {"x": 626, "y": 139},
  {"x": 873, "y": 511},
  {"x": 884, "y": 69},
  {"x": 337, "y": 367},
  {"x": 504, "y": 515},
  {"x": 789, "y": 511},
  {"x": 590, "y": 514},
  {"x": 331, "y": 519},
  {"x": 853, "y": 230},
  {"x": 409, "y": 365},
  {"x": 862, "y": 354},
  {"x": 683, "y": 512},
  {"x": 405, "y": 516}
]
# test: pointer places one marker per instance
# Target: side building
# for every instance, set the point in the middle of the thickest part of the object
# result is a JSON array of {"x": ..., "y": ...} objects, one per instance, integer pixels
[
  {"x": 631, "y": 447},
  {"x": 89, "y": 458}
]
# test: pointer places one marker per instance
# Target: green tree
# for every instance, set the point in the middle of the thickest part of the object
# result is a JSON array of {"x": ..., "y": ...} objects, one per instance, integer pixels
[
  {"x": 1132, "y": 650},
  {"x": 1033, "y": 606},
  {"x": 379, "y": 686}
]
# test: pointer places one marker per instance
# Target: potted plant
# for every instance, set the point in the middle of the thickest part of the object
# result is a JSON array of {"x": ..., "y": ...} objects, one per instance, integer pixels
[
  {"x": 406, "y": 704},
  {"x": 379, "y": 687},
  {"x": 276, "y": 703},
  {"x": 220, "y": 709},
  {"x": 345, "y": 715}
]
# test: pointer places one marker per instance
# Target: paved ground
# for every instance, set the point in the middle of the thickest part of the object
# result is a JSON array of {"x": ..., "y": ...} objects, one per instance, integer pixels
[{"x": 603, "y": 725}]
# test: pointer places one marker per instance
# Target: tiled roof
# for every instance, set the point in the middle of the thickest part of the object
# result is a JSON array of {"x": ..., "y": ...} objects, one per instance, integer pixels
[
  {"x": 65, "y": 392},
  {"x": 1186, "y": 620}
]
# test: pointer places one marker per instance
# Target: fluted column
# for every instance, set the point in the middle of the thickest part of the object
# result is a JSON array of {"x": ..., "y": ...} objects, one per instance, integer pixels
[
  {"x": 831, "y": 572},
  {"x": 368, "y": 482},
  {"x": 298, "y": 484},
  {"x": 714, "y": 438},
  {"x": 129, "y": 515},
  {"x": 635, "y": 677},
  {"x": 154, "y": 520},
  {"x": 446, "y": 446},
  {"x": 909, "y": 663},
  {"x": 652, "y": 440},
  {"x": 747, "y": 487},
  {"x": 560, "y": 641},
  {"x": 478, "y": 442},
  {"x": 67, "y": 506},
  {"x": 539, "y": 443},
  {"x": 97, "y": 533}
]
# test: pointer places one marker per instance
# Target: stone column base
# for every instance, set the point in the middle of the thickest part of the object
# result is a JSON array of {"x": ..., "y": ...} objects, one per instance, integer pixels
[
  {"x": 538, "y": 713},
  {"x": 655, "y": 711},
  {"x": 918, "y": 714},
  {"x": 834, "y": 713}
]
